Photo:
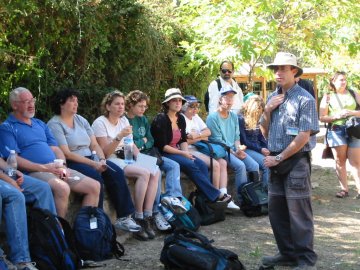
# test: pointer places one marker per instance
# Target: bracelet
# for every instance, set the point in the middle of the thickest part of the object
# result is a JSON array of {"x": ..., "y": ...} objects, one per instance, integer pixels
[
  {"x": 117, "y": 139},
  {"x": 102, "y": 159}
]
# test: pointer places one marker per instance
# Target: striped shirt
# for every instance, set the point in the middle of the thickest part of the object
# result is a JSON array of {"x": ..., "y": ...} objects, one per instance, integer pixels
[{"x": 297, "y": 111}]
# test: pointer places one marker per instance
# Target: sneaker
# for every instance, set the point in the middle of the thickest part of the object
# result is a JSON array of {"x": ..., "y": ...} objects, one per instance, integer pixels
[
  {"x": 6, "y": 263},
  {"x": 174, "y": 204},
  {"x": 278, "y": 260},
  {"x": 161, "y": 223},
  {"x": 232, "y": 206},
  {"x": 127, "y": 224},
  {"x": 26, "y": 266},
  {"x": 141, "y": 235},
  {"x": 226, "y": 198}
]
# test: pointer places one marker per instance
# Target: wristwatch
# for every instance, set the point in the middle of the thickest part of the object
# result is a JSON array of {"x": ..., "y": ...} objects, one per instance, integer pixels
[{"x": 278, "y": 158}]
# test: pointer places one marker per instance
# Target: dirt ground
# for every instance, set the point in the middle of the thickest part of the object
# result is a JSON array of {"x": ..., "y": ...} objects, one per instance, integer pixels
[{"x": 337, "y": 230}]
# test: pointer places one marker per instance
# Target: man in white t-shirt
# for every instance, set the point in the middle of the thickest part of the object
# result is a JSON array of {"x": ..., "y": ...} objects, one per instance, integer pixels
[{"x": 226, "y": 73}]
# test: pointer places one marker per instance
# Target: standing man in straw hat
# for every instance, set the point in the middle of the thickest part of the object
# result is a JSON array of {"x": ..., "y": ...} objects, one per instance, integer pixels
[{"x": 290, "y": 122}]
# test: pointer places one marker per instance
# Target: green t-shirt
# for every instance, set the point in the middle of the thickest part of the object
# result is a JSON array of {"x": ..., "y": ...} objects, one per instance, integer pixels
[
  {"x": 347, "y": 102},
  {"x": 141, "y": 129}
]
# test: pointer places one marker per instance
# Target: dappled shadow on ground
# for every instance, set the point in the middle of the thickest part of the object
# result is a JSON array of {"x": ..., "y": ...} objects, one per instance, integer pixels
[{"x": 337, "y": 233}]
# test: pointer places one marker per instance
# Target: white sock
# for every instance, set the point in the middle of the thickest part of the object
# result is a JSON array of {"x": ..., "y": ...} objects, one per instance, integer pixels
[{"x": 223, "y": 190}]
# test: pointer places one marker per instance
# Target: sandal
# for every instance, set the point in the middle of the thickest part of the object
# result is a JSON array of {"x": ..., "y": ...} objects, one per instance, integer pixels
[
  {"x": 226, "y": 198},
  {"x": 342, "y": 194}
]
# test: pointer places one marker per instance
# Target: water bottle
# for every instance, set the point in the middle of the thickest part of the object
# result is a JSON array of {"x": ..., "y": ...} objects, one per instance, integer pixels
[
  {"x": 168, "y": 215},
  {"x": 129, "y": 150},
  {"x": 94, "y": 156},
  {"x": 11, "y": 165}
]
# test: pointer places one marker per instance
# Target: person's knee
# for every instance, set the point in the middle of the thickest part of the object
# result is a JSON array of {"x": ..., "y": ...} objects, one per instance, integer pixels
[{"x": 60, "y": 189}]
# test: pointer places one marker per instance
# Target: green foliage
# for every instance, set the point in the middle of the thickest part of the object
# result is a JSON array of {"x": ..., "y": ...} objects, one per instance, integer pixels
[{"x": 89, "y": 45}]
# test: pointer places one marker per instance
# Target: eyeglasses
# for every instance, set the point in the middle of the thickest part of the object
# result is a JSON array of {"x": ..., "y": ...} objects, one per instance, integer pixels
[
  {"x": 27, "y": 101},
  {"x": 142, "y": 107},
  {"x": 194, "y": 107},
  {"x": 224, "y": 71}
]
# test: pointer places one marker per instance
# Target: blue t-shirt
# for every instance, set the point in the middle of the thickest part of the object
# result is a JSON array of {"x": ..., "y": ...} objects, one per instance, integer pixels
[
  {"x": 224, "y": 130},
  {"x": 31, "y": 142}
]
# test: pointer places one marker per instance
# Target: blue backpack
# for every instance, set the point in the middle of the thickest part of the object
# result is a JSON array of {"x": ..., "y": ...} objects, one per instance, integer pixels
[
  {"x": 95, "y": 236},
  {"x": 51, "y": 242},
  {"x": 190, "y": 220}
]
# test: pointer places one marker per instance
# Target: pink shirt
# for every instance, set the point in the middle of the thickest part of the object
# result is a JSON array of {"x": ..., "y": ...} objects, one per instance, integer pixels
[{"x": 176, "y": 138}]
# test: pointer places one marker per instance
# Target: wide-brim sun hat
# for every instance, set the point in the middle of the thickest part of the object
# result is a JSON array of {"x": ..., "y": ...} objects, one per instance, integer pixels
[
  {"x": 173, "y": 93},
  {"x": 286, "y": 59},
  {"x": 191, "y": 99},
  {"x": 226, "y": 90}
]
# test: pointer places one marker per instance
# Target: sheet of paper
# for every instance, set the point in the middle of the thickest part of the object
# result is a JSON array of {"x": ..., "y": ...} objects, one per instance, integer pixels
[{"x": 147, "y": 162}]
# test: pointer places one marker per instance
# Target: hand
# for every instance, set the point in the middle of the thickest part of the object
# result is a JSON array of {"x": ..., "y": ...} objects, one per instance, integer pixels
[
  {"x": 59, "y": 172},
  {"x": 274, "y": 102},
  {"x": 126, "y": 131},
  {"x": 344, "y": 113},
  {"x": 188, "y": 155},
  {"x": 16, "y": 185},
  {"x": 265, "y": 151},
  {"x": 100, "y": 166},
  {"x": 240, "y": 154},
  {"x": 20, "y": 178},
  {"x": 270, "y": 161}
]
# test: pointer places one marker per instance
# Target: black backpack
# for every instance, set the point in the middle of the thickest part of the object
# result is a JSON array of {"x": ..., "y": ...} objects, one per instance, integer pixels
[
  {"x": 188, "y": 250},
  {"x": 95, "y": 236},
  {"x": 51, "y": 242},
  {"x": 206, "y": 96},
  {"x": 255, "y": 199},
  {"x": 210, "y": 212}
]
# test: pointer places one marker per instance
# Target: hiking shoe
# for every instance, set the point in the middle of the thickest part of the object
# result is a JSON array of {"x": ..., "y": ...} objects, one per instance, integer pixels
[
  {"x": 148, "y": 227},
  {"x": 232, "y": 206},
  {"x": 26, "y": 266},
  {"x": 127, "y": 224},
  {"x": 305, "y": 267},
  {"x": 161, "y": 223},
  {"x": 174, "y": 204},
  {"x": 278, "y": 260},
  {"x": 141, "y": 235},
  {"x": 6, "y": 263}
]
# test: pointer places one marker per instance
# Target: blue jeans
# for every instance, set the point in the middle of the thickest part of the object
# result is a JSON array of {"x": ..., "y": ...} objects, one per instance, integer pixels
[
  {"x": 38, "y": 193},
  {"x": 115, "y": 185},
  {"x": 240, "y": 167},
  {"x": 259, "y": 158},
  {"x": 13, "y": 205},
  {"x": 172, "y": 181},
  {"x": 197, "y": 171}
]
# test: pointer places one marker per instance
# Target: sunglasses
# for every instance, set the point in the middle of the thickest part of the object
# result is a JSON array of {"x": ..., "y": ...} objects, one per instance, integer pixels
[
  {"x": 224, "y": 71},
  {"x": 194, "y": 106}
]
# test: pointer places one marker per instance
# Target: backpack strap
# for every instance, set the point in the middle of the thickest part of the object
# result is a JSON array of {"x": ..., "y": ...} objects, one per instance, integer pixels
[
  {"x": 218, "y": 83},
  {"x": 211, "y": 150},
  {"x": 117, "y": 248},
  {"x": 354, "y": 96}
]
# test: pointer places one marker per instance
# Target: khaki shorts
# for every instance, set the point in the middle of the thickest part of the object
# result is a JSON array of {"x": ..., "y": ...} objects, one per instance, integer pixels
[{"x": 46, "y": 176}]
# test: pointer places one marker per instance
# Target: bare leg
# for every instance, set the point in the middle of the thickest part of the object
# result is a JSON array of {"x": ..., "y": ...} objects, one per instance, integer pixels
[
  {"x": 340, "y": 159},
  {"x": 151, "y": 191},
  {"x": 223, "y": 173},
  {"x": 142, "y": 180},
  {"x": 61, "y": 192},
  {"x": 353, "y": 156},
  {"x": 91, "y": 190}
]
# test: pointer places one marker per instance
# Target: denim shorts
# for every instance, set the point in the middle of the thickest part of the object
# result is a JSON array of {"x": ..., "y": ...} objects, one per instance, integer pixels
[{"x": 339, "y": 137}]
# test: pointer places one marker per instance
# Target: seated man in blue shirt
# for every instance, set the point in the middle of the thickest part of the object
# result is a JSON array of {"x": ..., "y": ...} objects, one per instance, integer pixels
[{"x": 37, "y": 149}]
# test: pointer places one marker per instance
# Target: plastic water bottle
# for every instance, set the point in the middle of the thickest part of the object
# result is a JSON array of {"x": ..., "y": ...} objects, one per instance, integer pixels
[
  {"x": 129, "y": 150},
  {"x": 168, "y": 215},
  {"x": 11, "y": 165},
  {"x": 94, "y": 156}
]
